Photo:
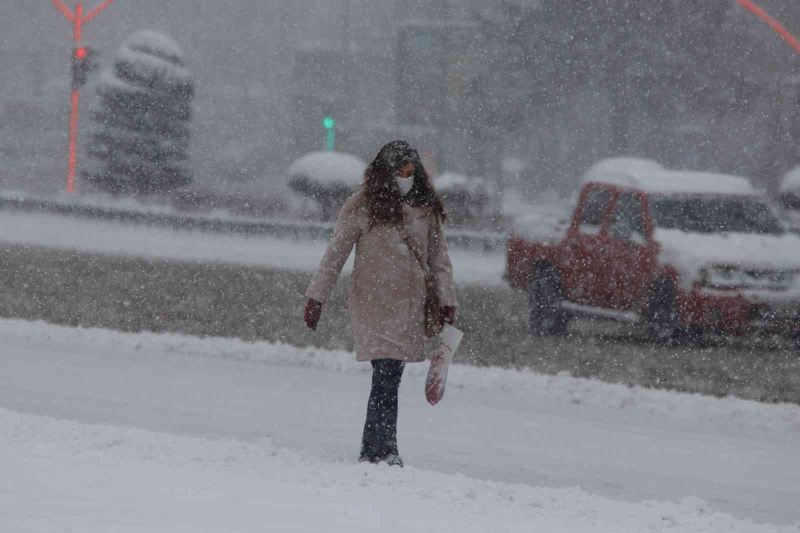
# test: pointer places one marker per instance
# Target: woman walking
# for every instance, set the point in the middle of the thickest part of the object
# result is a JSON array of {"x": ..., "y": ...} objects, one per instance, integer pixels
[{"x": 395, "y": 223}]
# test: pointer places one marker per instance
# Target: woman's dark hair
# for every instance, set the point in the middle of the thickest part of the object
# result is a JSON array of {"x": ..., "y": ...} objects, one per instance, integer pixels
[{"x": 384, "y": 202}]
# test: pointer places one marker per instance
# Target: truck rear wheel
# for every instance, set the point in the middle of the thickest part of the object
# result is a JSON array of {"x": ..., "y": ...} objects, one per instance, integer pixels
[
  {"x": 662, "y": 313},
  {"x": 545, "y": 315}
]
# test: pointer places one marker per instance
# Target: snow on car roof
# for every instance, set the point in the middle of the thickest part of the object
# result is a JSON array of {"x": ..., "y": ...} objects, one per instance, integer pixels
[
  {"x": 649, "y": 176},
  {"x": 791, "y": 182},
  {"x": 329, "y": 167},
  {"x": 623, "y": 165},
  {"x": 452, "y": 180}
]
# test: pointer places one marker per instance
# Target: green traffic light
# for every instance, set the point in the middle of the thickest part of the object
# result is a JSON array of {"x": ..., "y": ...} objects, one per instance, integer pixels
[{"x": 329, "y": 123}]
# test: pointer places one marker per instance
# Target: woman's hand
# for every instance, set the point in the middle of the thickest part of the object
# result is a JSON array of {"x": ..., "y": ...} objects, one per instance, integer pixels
[
  {"x": 449, "y": 314},
  {"x": 312, "y": 313}
]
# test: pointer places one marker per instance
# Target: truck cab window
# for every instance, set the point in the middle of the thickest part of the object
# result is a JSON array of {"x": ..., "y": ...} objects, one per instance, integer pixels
[
  {"x": 627, "y": 221},
  {"x": 594, "y": 208}
]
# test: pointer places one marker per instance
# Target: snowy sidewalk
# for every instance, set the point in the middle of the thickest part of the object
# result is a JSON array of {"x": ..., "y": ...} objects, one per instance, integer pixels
[
  {"x": 144, "y": 432},
  {"x": 65, "y": 476}
]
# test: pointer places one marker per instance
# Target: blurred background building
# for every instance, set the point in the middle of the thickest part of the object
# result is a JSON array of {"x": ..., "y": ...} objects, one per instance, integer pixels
[{"x": 541, "y": 87}]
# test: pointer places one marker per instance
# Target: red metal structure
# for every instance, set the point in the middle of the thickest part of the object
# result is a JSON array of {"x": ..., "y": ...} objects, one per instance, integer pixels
[
  {"x": 758, "y": 11},
  {"x": 77, "y": 18}
]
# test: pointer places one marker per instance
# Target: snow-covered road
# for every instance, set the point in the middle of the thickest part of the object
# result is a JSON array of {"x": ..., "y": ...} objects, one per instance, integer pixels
[
  {"x": 106, "y": 431},
  {"x": 115, "y": 238}
]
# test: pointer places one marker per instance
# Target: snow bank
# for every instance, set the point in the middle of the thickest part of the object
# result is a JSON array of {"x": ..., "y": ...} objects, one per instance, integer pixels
[
  {"x": 330, "y": 167},
  {"x": 112, "y": 238},
  {"x": 730, "y": 412},
  {"x": 70, "y": 475},
  {"x": 95, "y": 199},
  {"x": 303, "y": 210}
]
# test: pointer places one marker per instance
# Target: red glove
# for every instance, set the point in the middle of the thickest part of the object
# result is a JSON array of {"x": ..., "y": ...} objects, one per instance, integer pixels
[
  {"x": 449, "y": 314},
  {"x": 312, "y": 313}
]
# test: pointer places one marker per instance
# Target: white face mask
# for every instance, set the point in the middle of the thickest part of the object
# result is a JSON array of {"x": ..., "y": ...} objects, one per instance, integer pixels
[{"x": 405, "y": 184}]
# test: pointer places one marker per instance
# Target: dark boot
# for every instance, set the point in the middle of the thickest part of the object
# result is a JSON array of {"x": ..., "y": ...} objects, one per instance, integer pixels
[
  {"x": 387, "y": 454},
  {"x": 393, "y": 460},
  {"x": 391, "y": 456},
  {"x": 369, "y": 453}
]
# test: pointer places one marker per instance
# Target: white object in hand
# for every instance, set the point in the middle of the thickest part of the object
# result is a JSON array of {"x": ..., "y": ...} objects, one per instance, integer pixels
[{"x": 446, "y": 345}]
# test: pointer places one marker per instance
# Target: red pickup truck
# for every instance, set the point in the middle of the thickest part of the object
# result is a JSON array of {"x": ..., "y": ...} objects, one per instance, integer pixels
[{"x": 676, "y": 251}]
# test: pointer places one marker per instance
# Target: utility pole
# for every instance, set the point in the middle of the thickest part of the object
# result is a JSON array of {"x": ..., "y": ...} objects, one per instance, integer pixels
[
  {"x": 329, "y": 123},
  {"x": 81, "y": 64}
]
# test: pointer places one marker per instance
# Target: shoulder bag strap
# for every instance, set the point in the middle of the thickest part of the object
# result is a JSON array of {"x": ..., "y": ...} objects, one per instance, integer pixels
[{"x": 407, "y": 239}]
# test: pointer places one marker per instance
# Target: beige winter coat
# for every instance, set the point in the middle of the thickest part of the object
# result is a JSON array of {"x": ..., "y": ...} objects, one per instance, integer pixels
[{"x": 387, "y": 296}]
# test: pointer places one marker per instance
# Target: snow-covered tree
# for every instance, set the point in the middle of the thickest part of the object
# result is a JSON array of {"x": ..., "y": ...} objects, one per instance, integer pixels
[{"x": 142, "y": 119}]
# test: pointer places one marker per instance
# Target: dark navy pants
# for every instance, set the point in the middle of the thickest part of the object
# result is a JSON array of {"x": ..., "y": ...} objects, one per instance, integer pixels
[{"x": 380, "y": 429}]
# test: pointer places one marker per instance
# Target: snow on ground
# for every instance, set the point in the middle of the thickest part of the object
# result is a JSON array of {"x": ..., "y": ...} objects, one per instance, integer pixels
[
  {"x": 76, "y": 477},
  {"x": 104, "y": 431},
  {"x": 146, "y": 241}
]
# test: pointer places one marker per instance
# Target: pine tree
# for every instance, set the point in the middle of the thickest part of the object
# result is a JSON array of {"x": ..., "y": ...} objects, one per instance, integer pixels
[{"x": 142, "y": 116}]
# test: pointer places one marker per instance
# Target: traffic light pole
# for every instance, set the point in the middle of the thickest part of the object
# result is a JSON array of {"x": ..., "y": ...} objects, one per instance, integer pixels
[
  {"x": 329, "y": 123},
  {"x": 79, "y": 54}
]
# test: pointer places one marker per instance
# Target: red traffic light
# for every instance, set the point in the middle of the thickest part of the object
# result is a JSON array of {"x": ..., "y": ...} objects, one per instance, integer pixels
[{"x": 82, "y": 64}]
